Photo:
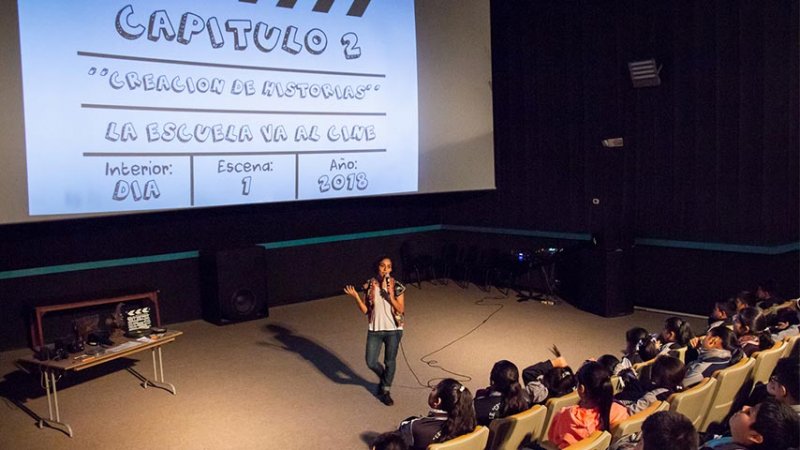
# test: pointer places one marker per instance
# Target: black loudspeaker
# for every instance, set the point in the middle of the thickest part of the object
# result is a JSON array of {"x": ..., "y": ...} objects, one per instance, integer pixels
[
  {"x": 234, "y": 285},
  {"x": 599, "y": 280}
]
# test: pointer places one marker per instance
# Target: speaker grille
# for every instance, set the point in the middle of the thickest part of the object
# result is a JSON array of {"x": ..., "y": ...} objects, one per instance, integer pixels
[{"x": 242, "y": 304}]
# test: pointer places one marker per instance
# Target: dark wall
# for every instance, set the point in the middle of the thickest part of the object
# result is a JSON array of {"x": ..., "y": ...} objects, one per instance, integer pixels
[{"x": 710, "y": 156}]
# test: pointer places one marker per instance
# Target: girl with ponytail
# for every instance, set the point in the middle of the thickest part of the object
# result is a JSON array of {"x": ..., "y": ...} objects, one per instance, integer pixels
[
  {"x": 676, "y": 334},
  {"x": 596, "y": 409},
  {"x": 750, "y": 326},
  {"x": 451, "y": 415},
  {"x": 504, "y": 396}
]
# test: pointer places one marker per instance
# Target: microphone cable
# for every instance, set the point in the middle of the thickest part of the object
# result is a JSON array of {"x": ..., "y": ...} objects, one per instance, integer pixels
[{"x": 462, "y": 378}]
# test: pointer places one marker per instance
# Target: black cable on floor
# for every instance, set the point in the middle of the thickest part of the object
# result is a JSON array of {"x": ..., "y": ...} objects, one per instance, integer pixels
[{"x": 462, "y": 378}]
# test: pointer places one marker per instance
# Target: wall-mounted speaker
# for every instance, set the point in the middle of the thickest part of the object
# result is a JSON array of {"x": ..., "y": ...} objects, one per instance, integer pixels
[{"x": 234, "y": 285}]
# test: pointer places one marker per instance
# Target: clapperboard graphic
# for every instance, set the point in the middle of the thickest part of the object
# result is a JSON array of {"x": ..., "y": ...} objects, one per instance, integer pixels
[
  {"x": 137, "y": 320},
  {"x": 357, "y": 8}
]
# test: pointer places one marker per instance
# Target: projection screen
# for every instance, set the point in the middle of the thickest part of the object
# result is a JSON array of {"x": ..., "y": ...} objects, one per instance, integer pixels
[{"x": 133, "y": 106}]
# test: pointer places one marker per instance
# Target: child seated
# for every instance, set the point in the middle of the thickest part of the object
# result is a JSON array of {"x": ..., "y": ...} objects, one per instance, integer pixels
[
  {"x": 770, "y": 425},
  {"x": 504, "y": 396},
  {"x": 719, "y": 350},
  {"x": 596, "y": 409},
  {"x": 722, "y": 314},
  {"x": 676, "y": 334},
  {"x": 548, "y": 379},
  {"x": 452, "y": 414},
  {"x": 666, "y": 376},
  {"x": 750, "y": 328},
  {"x": 633, "y": 339},
  {"x": 785, "y": 323},
  {"x": 783, "y": 385}
]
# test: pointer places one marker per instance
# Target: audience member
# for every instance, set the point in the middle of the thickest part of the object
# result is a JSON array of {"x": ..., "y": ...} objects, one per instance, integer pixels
[
  {"x": 666, "y": 376},
  {"x": 612, "y": 363},
  {"x": 547, "y": 379},
  {"x": 504, "y": 396},
  {"x": 389, "y": 441},
  {"x": 770, "y": 425},
  {"x": 722, "y": 314},
  {"x": 676, "y": 334},
  {"x": 745, "y": 299},
  {"x": 633, "y": 339},
  {"x": 786, "y": 323},
  {"x": 767, "y": 294},
  {"x": 452, "y": 414},
  {"x": 750, "y": 328},
  {"x": 596, "y": 409},
  {"x": 667, "y": 430},
  {"x": 719, "y": 350}
]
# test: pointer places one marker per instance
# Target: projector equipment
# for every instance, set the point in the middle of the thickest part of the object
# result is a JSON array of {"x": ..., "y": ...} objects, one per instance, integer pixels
[{"x": 644, "y": 73}]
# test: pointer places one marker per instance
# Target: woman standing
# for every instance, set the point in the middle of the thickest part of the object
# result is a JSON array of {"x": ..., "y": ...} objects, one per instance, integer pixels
[{"x": 384, "y": 306}]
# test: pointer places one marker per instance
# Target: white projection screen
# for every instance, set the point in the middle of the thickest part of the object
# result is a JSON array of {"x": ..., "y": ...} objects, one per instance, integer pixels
[{"x": 131, "y": 106}]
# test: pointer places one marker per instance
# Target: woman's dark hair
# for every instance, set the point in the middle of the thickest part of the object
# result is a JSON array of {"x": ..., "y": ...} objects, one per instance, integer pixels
[
  {"x": 632, "y": 338},
  {"x": 610, "y": 362},
  {"x": 668, "y": 372},
  {"x": 457, "y": 400},
  {"x": 389, "y": 441},
  {"x": 559, "y": 381},
  {"x": 596, "y": 382},
  {"x": 727, "y": 337},
  {"x": 647, "y": 348},
  {"x": 505, "y": 379},
  {"x": 727, "y": 306},
  {"x": 787, "y": 315},
  {"x": 752, "y": 318},
  {"x": 746, "y": 298},
  {"x": 377, "y": 263},
  {"x": 778, "y": 425},
  {"x": 787, "y": 374},
  {"x": 681, "y": 328}
]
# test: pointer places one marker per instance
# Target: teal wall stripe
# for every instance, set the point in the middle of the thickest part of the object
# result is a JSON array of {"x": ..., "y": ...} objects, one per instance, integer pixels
[
  {"x": 349, "y": 237},
  {"x": 721, "y": 247},
  {"x": 706, "y": 246},
  {"x": 49, "y": 270},
  {"x": 517, "y": 232}
]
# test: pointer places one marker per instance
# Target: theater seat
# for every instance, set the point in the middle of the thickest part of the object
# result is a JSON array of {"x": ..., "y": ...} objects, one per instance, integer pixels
[
  {"x": 599, "y": 440},
  {"x": 693, "y": 402},
  {"x": 510, "y": 432},
  {"x": 476, "y": 440}
]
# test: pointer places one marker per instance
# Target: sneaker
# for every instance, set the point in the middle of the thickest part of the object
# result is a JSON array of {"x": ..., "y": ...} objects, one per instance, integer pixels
[{"x": 386, "y": 399}]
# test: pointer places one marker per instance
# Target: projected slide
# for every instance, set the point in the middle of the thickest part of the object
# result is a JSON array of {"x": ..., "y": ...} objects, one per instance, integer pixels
[{"x": 158, "y": 104}]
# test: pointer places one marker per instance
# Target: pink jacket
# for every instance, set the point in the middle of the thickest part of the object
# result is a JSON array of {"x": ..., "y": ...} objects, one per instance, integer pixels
[{"x": 574, "y": 423}]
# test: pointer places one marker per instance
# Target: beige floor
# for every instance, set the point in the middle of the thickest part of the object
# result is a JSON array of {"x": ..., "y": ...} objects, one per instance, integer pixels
[{"x": 297, "y": 380}]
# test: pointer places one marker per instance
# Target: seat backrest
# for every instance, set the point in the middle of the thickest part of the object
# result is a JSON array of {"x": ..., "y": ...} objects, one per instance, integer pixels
[
  {"x": 633, "y": 424},
  {"x": 599, "y": 440},
  {"x": 617, "y": 384},
  {"x": 642, "y": 369},
  {"x": 766, "y": 360},
  {"x": 555, "y": 405},
  {"x": 510, "y": 432},
  {"x": 475, "y": 440},
  {"x": 791, "y": 345},
  {"x": 693, "y": 402},
  {"x": 729, "y": 382},
  {"x": 679, "y": 353}
]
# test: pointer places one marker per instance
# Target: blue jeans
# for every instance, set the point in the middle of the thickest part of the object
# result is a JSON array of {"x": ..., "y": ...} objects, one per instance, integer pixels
[{"x": 391, "y": 342}]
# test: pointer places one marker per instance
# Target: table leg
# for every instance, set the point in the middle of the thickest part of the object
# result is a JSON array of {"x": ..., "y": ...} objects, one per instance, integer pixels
[
  {"x": 52, "y": 405},
  {"x": 158, "y": 373}
]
